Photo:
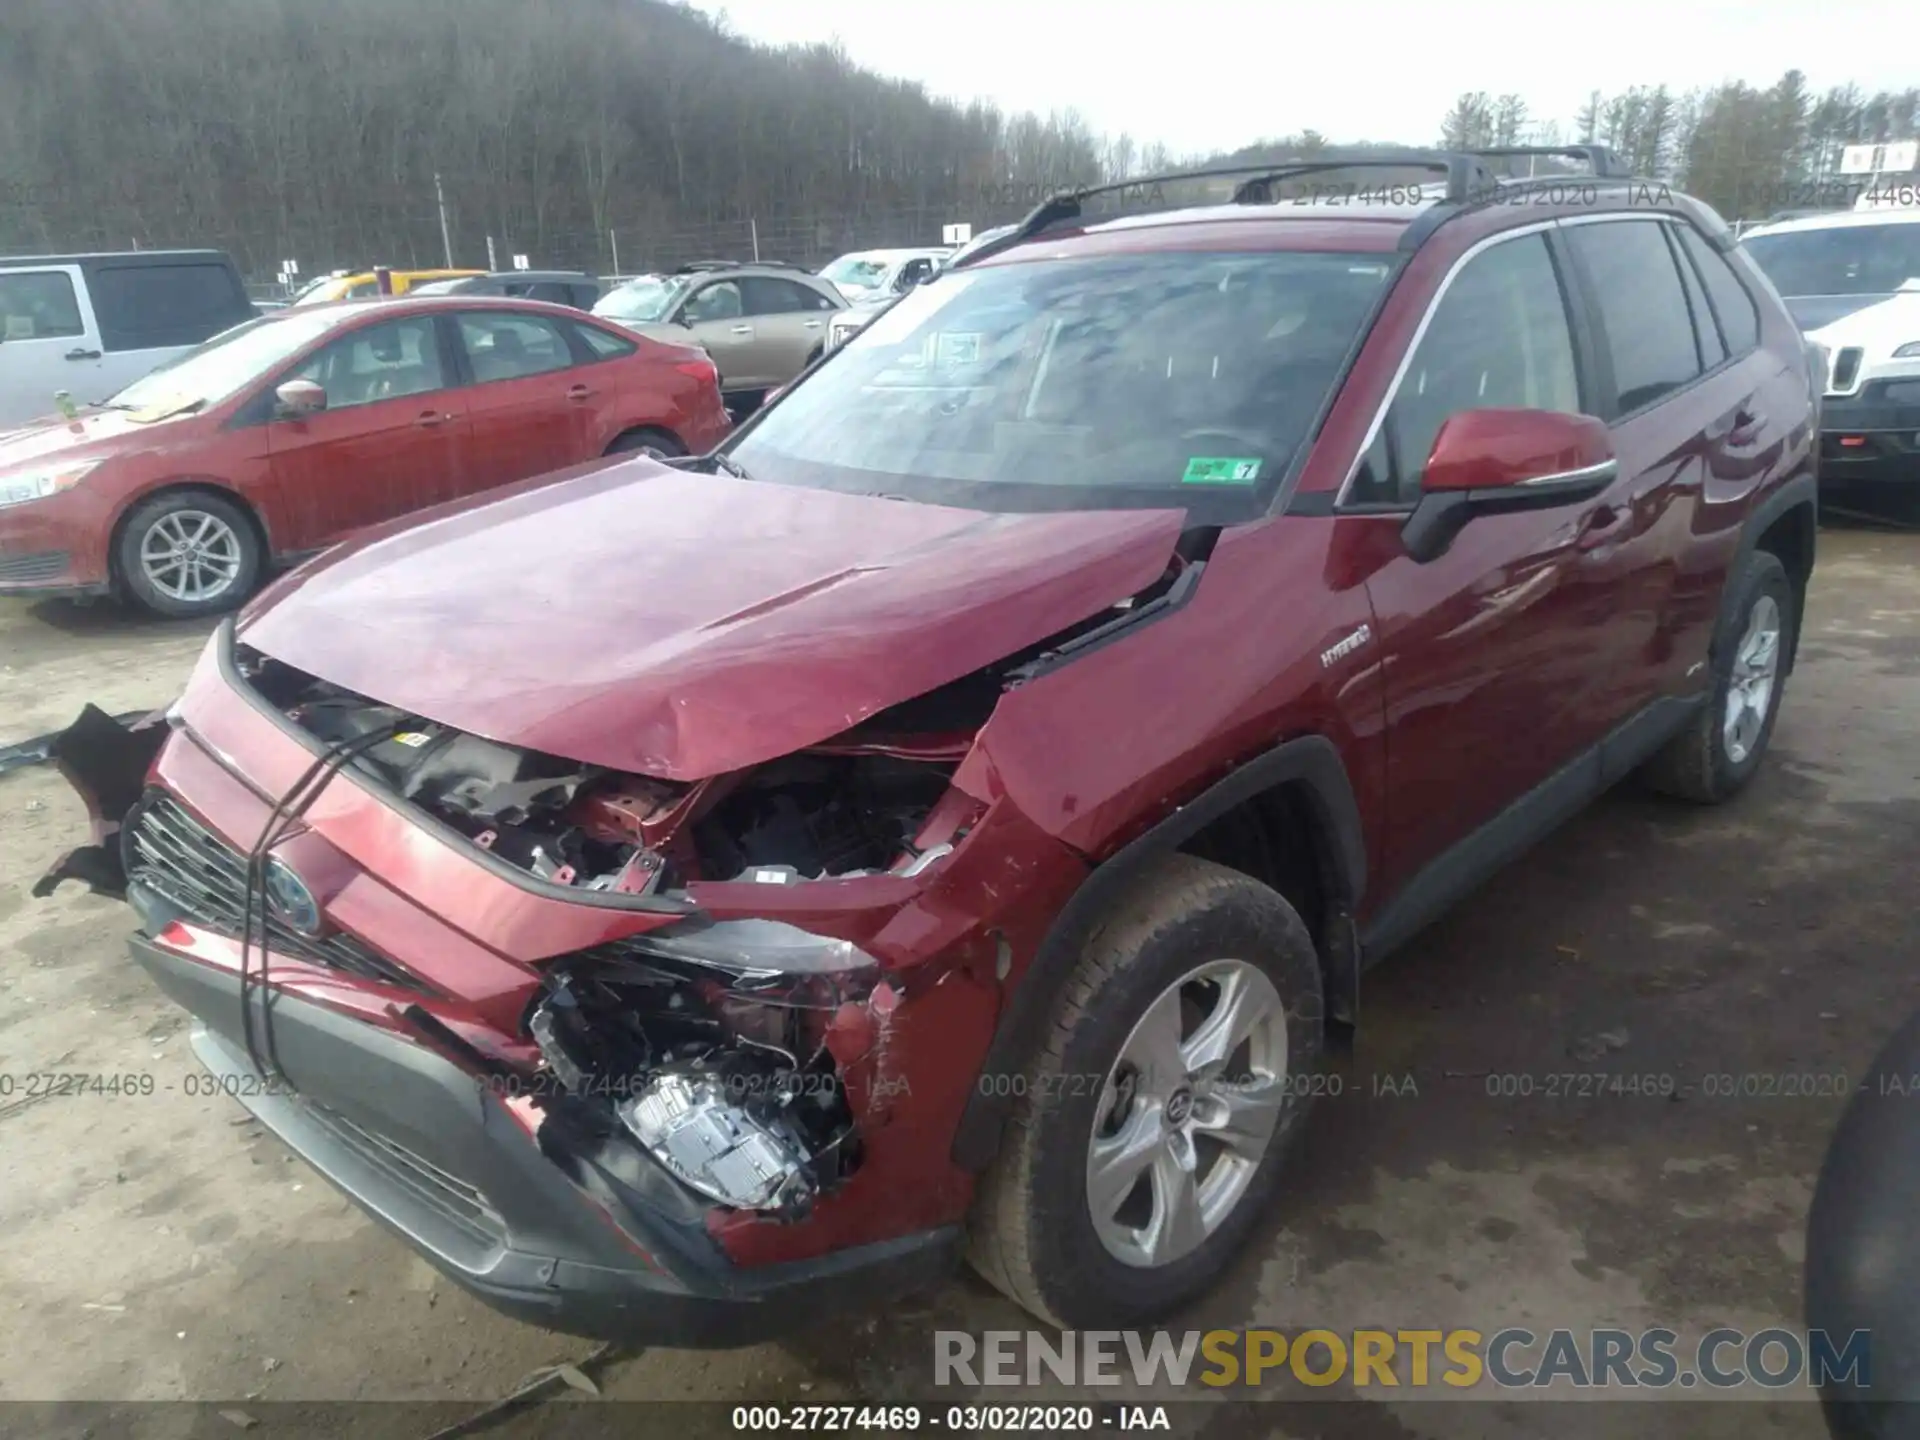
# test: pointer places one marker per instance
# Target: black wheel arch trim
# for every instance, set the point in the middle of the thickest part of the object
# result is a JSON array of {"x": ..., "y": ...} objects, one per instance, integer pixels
[
  {"x": 1802, "y": 489},
  {"x": 1310, "y": 763}
]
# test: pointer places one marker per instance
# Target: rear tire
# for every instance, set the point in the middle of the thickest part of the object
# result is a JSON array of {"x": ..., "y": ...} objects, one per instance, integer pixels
[
  {"x": 1213, "y": 945},
  {"x": 187, "y": 553},
  {"x": 657, "y": 443},
  {"x": 1717, "y": 754}
]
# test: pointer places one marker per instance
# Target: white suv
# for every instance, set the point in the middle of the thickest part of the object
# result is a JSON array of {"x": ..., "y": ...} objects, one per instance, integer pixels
[{"x": 91, "y": 325}]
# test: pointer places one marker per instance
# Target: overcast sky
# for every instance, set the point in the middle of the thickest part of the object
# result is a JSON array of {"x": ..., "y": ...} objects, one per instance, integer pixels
[{"x": 1214, "y": 74}]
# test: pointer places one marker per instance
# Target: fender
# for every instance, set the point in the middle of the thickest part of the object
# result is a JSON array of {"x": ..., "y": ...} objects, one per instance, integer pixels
[
  {"x": 1801, "y": 489},
  {"x": 1312, "y": 762}
]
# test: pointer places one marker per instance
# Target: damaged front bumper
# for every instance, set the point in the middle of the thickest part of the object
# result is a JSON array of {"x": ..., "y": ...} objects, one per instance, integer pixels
[
  {"x": 690, "y": 1115},
  {"x": 442, "y": 1158}
]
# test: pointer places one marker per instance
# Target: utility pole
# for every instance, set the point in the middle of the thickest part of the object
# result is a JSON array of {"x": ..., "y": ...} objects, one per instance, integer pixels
[
  {"x": 493, "y": 265},
  {"x": 613, "y": 239},
  {"x": 754, "y": 225},
  {"x": 446, "y": 236}
]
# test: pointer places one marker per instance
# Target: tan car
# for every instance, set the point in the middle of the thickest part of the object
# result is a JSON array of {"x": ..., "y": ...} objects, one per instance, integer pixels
[{"x": 762, "y": 323}]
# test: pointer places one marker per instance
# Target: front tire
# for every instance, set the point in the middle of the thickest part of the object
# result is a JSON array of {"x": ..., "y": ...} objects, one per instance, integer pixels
[
  {"x": 656, "y": 443},
  {"x": 1717, "y": 754},
  {"x": 1155, "y": 1123},
  {"x": 188, "y": 553}
]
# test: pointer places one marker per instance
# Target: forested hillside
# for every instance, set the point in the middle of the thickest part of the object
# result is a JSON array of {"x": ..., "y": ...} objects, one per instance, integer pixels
[{"x": 562, "y": 128}]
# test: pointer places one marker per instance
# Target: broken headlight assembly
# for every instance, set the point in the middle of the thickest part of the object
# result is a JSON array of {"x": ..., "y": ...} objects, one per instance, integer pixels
[{"x": 706, "y": 1043}]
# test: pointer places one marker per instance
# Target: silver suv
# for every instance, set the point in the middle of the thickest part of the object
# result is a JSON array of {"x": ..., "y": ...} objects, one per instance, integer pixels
[{"x": 762, "y": 323}]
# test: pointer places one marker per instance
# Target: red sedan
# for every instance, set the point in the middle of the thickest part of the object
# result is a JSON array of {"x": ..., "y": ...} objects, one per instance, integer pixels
[{"x": 287, "y": 433}]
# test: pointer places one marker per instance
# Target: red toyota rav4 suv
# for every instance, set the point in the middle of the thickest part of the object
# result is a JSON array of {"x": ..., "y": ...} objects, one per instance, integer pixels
[{"x": 953, "y": 817}]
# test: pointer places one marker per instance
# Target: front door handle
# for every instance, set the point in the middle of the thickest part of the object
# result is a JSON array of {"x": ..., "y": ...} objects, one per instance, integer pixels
[
  {"x": 1603, "y": 525},
  {"x": 432, "y": 419},
  {"x": 741, "y": 330},
  {"x": 83, "y": 354},
  {"x": 813, "y": 324}
]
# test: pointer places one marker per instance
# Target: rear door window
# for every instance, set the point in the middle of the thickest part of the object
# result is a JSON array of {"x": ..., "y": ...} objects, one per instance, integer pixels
[
  {"x": 766, "y": 296},
  {"x": 503, "y": 346},
  {"x": 1642, "y": 308},
  {"x": 38, "y": 305},
  {"x": 603, "y": 345},
  {"x": 164, "y": 304}
]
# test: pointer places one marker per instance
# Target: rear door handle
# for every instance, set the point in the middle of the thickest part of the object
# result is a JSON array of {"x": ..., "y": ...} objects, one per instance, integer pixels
[
  {"x": 83, "y": 354},
  {"x": 579, "y": 392},
  {"x": 1746, "y": 427},
  {"x": 432, "y": 419},
  {"x": 741, "y": 330}
]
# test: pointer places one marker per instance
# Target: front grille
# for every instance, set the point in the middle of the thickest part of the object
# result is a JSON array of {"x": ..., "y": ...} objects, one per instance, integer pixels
[
  {"x": 34, "y": 569},
  {"x": 1846, "y": 370},
  {"x": 459, "y": 1202},
  {"x": 175, "y": 856}
]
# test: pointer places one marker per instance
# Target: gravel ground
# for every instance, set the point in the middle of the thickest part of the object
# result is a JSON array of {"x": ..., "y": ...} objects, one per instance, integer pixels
[{"x": 161, "y": 1247}]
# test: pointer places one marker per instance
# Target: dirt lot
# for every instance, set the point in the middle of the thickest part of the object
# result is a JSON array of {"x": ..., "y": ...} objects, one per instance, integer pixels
[{"x": 162, "y": 1247}]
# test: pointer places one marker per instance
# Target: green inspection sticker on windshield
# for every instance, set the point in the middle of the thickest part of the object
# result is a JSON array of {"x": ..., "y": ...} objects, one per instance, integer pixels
[{"x": 1218, "y": 470}]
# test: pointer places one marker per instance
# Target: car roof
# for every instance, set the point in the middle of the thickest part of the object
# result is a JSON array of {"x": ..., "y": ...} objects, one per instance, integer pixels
[
  {"x": 88, "y": 255},
  {"x": 423, "y": 304},
  {"x": 1837, "y": 220}
]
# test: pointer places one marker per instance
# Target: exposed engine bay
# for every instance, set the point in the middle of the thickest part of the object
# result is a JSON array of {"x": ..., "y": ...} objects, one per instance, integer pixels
[
  {"x": 722, "y": 1073},
  {"x": 849, "y": 810},
  {"x": 704, "y": 1043}
]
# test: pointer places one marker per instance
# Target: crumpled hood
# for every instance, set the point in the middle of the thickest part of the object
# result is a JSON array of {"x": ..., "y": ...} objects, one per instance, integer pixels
[{"x": 683, "y": 625}]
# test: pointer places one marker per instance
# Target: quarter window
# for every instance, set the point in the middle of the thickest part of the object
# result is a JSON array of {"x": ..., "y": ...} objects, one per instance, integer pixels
[
  {"x": 1732, "y": 304},
  {"x": 149, "y": 307},
  {"x": 509, "y": 347},
  {"x": 38, "y": 305},
  {"x": 1498, "y": 340},
  {"x": 603, "y": 345},
  {"x": 1706, "y": 334},
  {"x": 1643, "y": 308},
  {"x": 378, "y": 362}
]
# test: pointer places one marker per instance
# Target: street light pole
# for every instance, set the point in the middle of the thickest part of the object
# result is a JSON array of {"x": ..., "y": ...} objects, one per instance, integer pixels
[{"x": 446, "y": 236}]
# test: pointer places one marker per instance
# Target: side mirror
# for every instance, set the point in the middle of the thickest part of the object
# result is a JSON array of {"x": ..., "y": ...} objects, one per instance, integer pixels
[
  {"x": 1497, "y": 462},
  {"x": 300, "y": 398}
]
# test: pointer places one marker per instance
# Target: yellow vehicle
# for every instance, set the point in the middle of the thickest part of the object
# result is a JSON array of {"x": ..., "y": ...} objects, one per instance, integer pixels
[{"x": 366, "y": 284}]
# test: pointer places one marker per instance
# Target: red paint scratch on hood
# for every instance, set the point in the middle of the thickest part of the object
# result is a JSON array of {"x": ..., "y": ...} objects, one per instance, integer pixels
[{"x": 684, "y": 625}]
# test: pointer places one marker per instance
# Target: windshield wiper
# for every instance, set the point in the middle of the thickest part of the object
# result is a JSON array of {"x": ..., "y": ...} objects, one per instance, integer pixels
[{"x": 730, "y": 466}]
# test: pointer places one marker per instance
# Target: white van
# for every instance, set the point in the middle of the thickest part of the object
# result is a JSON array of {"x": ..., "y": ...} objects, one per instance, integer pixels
[{"x": 90, "y": 325}]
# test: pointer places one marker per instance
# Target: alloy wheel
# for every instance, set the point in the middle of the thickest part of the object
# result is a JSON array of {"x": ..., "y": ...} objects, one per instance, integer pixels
[
  {"x": 1186, "y": 1113},
  {"x": 1756, "y": 664},
  {"x": 191, "y": 555}
]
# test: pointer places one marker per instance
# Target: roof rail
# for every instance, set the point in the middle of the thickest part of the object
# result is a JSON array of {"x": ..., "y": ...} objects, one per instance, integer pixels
[
  {"x": 1468, "y": 178},
  {"x": 1464, "y": 174},
  {"x": 1604, "y": 162}
]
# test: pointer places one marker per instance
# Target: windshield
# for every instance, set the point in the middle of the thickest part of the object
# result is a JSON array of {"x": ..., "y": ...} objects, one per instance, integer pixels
[
  {"x": 851, "y": 272},
  {"x": 1183, "y": 380},
  {"x": 647, "y": 299},
  {"x": 1841, "y": 260},
  {"x": 438, "y": 287},
  {"x": 227, "y": 363}
]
